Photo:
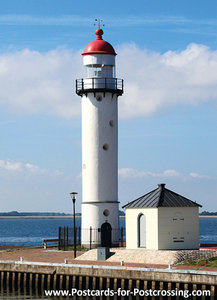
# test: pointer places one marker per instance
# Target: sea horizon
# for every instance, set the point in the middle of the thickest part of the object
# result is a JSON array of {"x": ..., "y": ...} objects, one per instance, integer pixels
[{"x": 65, "y": 217}]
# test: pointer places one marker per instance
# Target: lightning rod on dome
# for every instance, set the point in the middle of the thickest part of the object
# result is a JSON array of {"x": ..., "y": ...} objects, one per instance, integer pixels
[{"x": 99, "y": 23}]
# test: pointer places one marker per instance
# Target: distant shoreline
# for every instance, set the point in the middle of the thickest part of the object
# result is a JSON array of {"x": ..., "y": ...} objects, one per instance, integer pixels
[
  {"x": 207, "y": 216},
  {"x": 64, "y": 217},
  {"x": 42, "y": 217}
]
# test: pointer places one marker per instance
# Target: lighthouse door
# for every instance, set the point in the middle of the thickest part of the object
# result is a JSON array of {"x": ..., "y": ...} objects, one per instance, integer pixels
[{"x": 106, "y": 235}]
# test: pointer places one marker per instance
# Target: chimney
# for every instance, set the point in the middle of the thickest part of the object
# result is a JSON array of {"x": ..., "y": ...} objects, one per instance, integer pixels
[{"x": 161, "y": 185}]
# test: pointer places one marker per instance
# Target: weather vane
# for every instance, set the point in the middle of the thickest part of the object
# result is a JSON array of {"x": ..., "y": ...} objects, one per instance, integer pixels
[{"x": 99, "y": 23}]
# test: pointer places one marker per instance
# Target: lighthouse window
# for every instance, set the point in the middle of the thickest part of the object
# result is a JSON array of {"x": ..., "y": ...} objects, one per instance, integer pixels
[
  {"x": 106, "y": 212},
  {"x": 111, "y": 123},
  {"x": 93, "y": 71},
  {"x": 105, "y": 147},
  {"x": 99, "y": 98},
  {"x": 97, "y": 72},
  {"x": 108, "y": 71}
]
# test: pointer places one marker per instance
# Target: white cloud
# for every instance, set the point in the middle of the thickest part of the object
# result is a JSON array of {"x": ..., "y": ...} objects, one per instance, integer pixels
[
  {"x": 198, "y": 176},
  {"x": 154, "y": 81},
  {"x": 44, "y": 83},
  {"x": 133, "y": 173},
  {"x": 34, "y": 168},
  {"x": 194, "y": 175},
  {"x": 10, "y": 166},
  {"x": 130, "y": 172},
  {"x": 37, "y": 83},
  {"x": 172, "y": 173}
]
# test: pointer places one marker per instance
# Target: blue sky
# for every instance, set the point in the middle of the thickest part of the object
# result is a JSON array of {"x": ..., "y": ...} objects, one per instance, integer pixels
[{"x": 167, "y": 55}]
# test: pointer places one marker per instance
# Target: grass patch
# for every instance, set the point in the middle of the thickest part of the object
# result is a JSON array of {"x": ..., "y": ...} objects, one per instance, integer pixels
[{"x": 212, "y": 262}]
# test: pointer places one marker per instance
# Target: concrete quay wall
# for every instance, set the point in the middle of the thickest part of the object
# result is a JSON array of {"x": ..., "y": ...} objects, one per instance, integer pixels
[{"x": 41, "y": 276}]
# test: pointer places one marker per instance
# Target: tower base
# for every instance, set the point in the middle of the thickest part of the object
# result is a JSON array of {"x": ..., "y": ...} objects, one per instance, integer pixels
[{"x": 100, "y": 224}]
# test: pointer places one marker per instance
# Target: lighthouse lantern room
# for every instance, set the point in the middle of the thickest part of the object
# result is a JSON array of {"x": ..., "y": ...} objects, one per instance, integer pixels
[{"x": 99, "y": 90}]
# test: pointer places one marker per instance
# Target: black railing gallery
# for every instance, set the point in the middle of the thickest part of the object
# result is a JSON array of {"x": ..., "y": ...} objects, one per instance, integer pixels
[
  {"x": 101, "y": 84},
  {"x": 66, "y": 236}
]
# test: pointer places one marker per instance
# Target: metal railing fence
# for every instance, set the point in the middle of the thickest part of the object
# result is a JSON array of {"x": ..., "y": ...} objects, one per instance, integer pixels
[
  {"x": 92, "y": 236},
  {"x": 114, "y": 84}
]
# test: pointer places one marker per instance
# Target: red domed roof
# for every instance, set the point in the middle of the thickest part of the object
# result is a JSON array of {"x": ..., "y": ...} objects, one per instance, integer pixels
[{"x": 99, "y": 46}]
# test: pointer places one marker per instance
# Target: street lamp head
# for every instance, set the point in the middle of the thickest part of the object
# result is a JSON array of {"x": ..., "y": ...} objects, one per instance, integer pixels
[{"x": 73, "y": 196}]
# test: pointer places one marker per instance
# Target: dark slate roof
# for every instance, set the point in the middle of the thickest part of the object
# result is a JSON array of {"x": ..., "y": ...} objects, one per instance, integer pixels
[{"x": 161, "y": 197}]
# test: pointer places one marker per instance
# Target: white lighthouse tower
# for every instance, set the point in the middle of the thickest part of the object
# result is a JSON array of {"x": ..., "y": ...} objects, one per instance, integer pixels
[{"x": 99, "y": 90}]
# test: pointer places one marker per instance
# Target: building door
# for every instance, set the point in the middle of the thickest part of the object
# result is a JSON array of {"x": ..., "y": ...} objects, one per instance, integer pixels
[
  {"x": 142, "y": 231},
  {"x": 106, "y": 235}
]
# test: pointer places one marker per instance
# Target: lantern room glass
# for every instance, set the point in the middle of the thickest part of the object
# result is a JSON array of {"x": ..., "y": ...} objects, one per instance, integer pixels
[{"x": 99, "y": 71}]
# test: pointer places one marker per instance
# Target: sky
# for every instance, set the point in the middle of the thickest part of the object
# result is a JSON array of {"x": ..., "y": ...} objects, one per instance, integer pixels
[{"x": 167, "y": 56}]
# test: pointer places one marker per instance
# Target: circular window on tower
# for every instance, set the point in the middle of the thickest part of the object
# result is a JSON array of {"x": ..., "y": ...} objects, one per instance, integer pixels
[
  {"x": 99, "y": 98},
  {"x": 106, "y": 212},
  {"x": 111, "y": 123},
  {"x": 105, "y": 147}
]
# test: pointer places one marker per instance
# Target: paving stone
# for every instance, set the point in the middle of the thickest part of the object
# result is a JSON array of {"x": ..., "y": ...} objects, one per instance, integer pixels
[{"x": 134, "y": 256}]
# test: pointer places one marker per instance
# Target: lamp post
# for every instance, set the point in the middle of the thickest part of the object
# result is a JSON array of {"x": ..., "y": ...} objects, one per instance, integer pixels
[{"x": 73, "y": 196}]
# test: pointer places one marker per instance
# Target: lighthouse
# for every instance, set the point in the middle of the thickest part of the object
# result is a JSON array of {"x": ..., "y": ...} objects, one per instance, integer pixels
[{"x": 99, "y": 90}]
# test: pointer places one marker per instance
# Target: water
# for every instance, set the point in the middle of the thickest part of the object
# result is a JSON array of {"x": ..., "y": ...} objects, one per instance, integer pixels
[
  {"x": 31, "y": 232},
  {"x": 208, "y": 230}
]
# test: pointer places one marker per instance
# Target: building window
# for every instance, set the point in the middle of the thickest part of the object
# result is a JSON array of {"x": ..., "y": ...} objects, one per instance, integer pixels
[
  {"x": 142, "y": 231},
  {"x": 178, "y": 239},
  {"x": 178, "y": 222},
  {"x": 178, "y": 217}
]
